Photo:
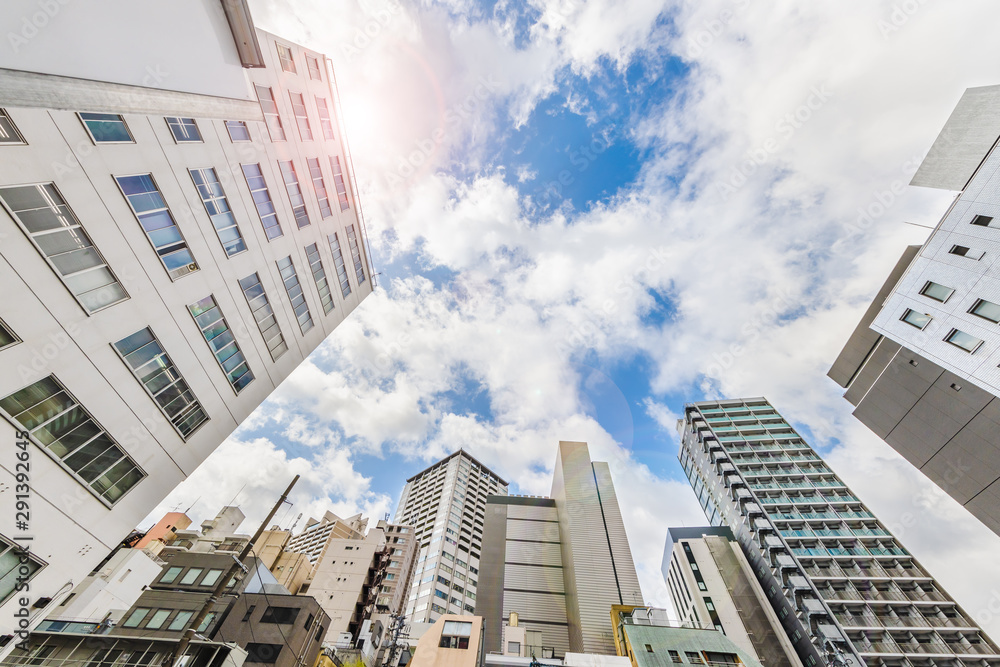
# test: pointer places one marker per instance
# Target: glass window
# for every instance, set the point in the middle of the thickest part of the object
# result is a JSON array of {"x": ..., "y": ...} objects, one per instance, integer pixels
[
  {"x": 338, "y": 261},
  {"x": 151, "y": 210},
  {"x": 158, "y": 618},
  {"x": 171, "y": 575},
  {"x": 316, "y": 173},
  {"x": 325, "y": 119},
  {"x": 301, "y": 117},
  {"x": 313, "y": 65},
  {"x": 982, "y": 220},
  {"x": 211, "y": 578},
  {"x": 238, "y": 131},
  {"x": 207, "y": 621},
  {"x": 270, "y": 110},
  {"x": 267, "y": 323},
  {"x": 162, "y": 381},
  {"x": 184, "y": 129},
  {"x": 69, "y": 433},
  {"x": 319, "y": 275},
  {"x": 359, "y": 267},
  {"x": 265, "y": 653},
  {"x": 963, "y": 251},
  {"x": 191, "y": 575},
  {"x": 455, "y": 634},
  {"x": 180, "y": 620},
  {"x": 262, "y": 200},
  {"x": 937, "y": 292},
  {"x": 294, "y": 193},
  {"x": 285, "y": 58},
  {"x": 963, "y": 340},
  {"x": 919, "y": 320},
  {"x": 295, "y": 295},
  {"x": 135, "y": 618},
  {"x": 51, "y": 226},
  {"x": 7, "y": 337},
  {"x": 338, "y": 181},
  {"x": 280, "y": 615},
  {"x": 8, "y": 131},
  {"x": 12, "y": 568},
  {"x": 217, "y": 207},
  {"x": 987, "y": 310},
  {"x": 106, "y": 128},
  {"x": 222, "y": 342}
]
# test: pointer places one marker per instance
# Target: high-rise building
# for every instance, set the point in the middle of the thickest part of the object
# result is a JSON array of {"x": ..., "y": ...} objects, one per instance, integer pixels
[
  {"x": 179, "y": 231},
  {"x": 558, "y": 563},
  {"x": 446, "y": 505},
  {"x": 841, "y": 584},
  {"x": 713, "y": 586},
  {"x": 921, "y": 368}
]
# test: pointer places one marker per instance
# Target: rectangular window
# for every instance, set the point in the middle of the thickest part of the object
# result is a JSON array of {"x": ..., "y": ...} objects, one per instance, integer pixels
[
  {"x": 338, "y": 181},
  {"x": 7, "y": 337},
  {"x": 325, "y": 120},
  {"x": 158, "y": 618},
  {"x": 207, "y": 621},
  {"x": 8, "y": 131},
  {"x": 184, "y": 130},
  {"x": 963, "y": 340},
  {"x": 674, "y": 656},
  {"x": 285, "y": 58},
  {"x": 222, "y": 342},
  {"x": 265, "y": 653},
  {"x": 969, "y": 253},
  {"x": 54, "y": 230},
  {"x": 455, "y": 635},
  {"x": 106, "y": 128},
  {"x": 13, "y": 570},
  {"x": 267, "y": 323},
  {"x": 281, "y": 615},
  {"x": 181, "y": 620},
  {"x": 151, "y": 210},
  {"x": 919, "y": 320},
  {"x": 319, "y": 275},
  {"x": 162, "y": 381},
  {"x": 694, "y": 658},
  {"x": 982, "y": 220},
  {"x": 211, "y": 578},
  {"x": 937, "y": 292},
  {"x": 294, "y": 193},
  {"x": 359, "y": 267},
  {"x": 295, "y": 295},
  {"x": 135, "y": 618},
  {"x": 217, "y": 207},
  {"x": 313, "y": 65},
  {"x": 316, "y": 173},
  {"x": 301, "y": 117},
  {"x": 238, "y": 131},
  {"x": 171, "y": 575},
  {"x": 262, "y": 200},
  {"x": 60, "y": 424},
  {"x": 270, "y": 110},
  {"x": 191, "y": 575},
  {"x": 987, "y": 310},
  {"x": 338, "y": 261}
]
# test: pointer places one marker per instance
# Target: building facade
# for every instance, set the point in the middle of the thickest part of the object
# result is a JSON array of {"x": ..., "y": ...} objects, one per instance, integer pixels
[
  {"x": 841, "y": 584},
  {"x": 713, "y": 586},
  {"x": 446, "y": 505},
  {"x": 180, "y": 231},
  {"x": 558, "y": 563},
  {"x": 921, "y": 368}
]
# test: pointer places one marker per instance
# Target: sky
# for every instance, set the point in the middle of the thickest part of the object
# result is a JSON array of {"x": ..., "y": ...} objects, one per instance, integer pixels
[{"x": 584, "y": 214}]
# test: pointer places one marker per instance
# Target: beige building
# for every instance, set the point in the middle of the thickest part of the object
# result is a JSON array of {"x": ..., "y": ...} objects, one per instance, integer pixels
[{"x": 452, "y": 641}]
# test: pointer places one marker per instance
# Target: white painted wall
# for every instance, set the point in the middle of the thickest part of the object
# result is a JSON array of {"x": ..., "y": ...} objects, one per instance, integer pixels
[{"x": 115, "y": 587}]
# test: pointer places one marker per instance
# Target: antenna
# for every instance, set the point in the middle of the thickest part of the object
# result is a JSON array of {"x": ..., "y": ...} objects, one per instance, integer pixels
[
  {"x": 192, "y": 505},
  {"x": 295, "y": 523}
]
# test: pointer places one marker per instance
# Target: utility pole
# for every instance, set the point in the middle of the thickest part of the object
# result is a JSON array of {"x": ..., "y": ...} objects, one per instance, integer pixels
[
  {"x": 224, "y": 580},
  {"x": 398, "y": 624}
]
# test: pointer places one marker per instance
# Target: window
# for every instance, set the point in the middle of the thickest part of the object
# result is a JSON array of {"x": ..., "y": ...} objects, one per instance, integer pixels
[
  {"x": 106, "y": 128},
  {"x": 8, "y": 131},
  {"x": 982, "y": 220},
  {"x": 56, "y": 233},
  {"x": 987, "y": 310},
  {"x": 702, "y": 586},
  {"x": 13, "y": 563},
  {"x": 313, "y": 65},
  {"x": 295, "y": 295},
  {"x": 70, "y": 434},
  {"x": 919, "y": 320},
  {"x": 211, "y": 578},
  {"x": 294, "y": 193},
  {"x": 184, "y": 129},
  {"x": 455, "y": 634},
  {"x": 280, "y": 615},
  {"x": 319, "y": 275},
  {"x": 514, "y": 648},
  {"x": 270, "y": 110},
  {"x": 694, "y": 658},
  {"x": 325, "y": 119},
  {"x": 191, "y": 575},
  {"x": 316, "y": 173},
  {"x": 223, "y": 344},
  {"x": 352, "y": 241},
  {"x": 207, "y": 621},
  {"x": 338, "y": 181},
  {"x": 181, "y": 620},
  {"x": 963, "y": 340},
  {"x": 217, "y": 206},
  {"x": 267, "y": 323},
  {"x": 171, "y": 575},
  {"x": 135, "y": 618},
  {"x": 238, "y": 131},
  {"x": 246, "y": 617},
  {"x": 937, "y": 292},
  {"x": 262, "y": 200},
  {"x": 301, "y": 117},
  {"x": 266, "y": 653},
  {"x": 674, "y": 656},
  {"x": 441, "y": 594},
  {"x": 286, "y": 59},
  {"x": 149, "y": 363},
  {"x": 158, "y": 619},
  {"x": 7, "y": 337},
  {"x": 963, "y": 251},
  {"x": 151, "y": 210}
]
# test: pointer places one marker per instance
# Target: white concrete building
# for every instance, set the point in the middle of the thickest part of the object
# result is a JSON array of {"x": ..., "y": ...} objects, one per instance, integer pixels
[{"x": 178, "y": 231}]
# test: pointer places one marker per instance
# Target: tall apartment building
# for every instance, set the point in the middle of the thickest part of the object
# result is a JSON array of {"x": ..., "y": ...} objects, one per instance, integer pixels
[
  {"x": 921, "y": 368},
  {"x": 559, "y": 563},
  {"x": 841, "y": 584},
  {"x": 179, "y": 231},
  {"x": 446, "y": 505}
]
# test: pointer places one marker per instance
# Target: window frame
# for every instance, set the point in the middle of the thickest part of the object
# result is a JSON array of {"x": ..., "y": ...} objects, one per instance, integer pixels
[
  {"x": 180, "y": 119},
  {"x": 301, "y": 122},
  {"x": 302, "y": 293},
  {"x": 316, "y": 268},
  {"x": 927, "y": 286},
  {"x": 267, "y": 303},
  {"x": 910, "y": 311},
  {"x": 325, "y": 118},
  {"x": 204, "y": 172},
  {"x": 15, "y": 339},
  {"x": 953, "y": 333},
  {"x": 239, "y": 123},
  {"x": 13, "y": 126},
  {"x": 266, "y": 190},
  {"x": 297, "y": 185},
  {"x": 343, "y": 276},
  {"x": 972, "y": 311},
  {"x": 310, "y": 59},
  {"x": 988, "y": 218},
  {"x": 7, "y": 545},
  {"x": 93, "y": 139},
  {"x": 315, "y": 168},
  {"x": 211, "y": 350},
  {"x": 273, "y": 101},
  {"x": 969, "y": 253},
  {"x": 282, "y": 59}
]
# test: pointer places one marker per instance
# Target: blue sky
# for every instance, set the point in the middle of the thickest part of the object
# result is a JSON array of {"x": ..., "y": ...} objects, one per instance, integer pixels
[{"x": 630, "y": 204}]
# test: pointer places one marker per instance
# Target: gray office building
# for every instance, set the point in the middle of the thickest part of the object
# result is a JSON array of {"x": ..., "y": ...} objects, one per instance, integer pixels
[
  {"x": 842, "y": 585},
  {"x": 559, "y": 563}
]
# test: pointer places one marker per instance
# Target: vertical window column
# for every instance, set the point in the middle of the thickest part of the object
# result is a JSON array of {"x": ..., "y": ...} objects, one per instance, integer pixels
[
  {"x": 217, "y": 207},
  {"x": 319, "y": 275},
  {"x": 270, "y": 110},
  {"x": 222, "y": 342},
  {"x": 338, "y": 261},
  {"x": 295, "y": 196},
  {"x": 359, "y": 266},
  {"x": 295, "y": 295},
  {"x": 316, "y": 173},
  {"x": 263, "y": 314},
  {"x": 338, "y": 181},
  {"x": 151, "y": 210},
  {"x": 262, "y": 200}
]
